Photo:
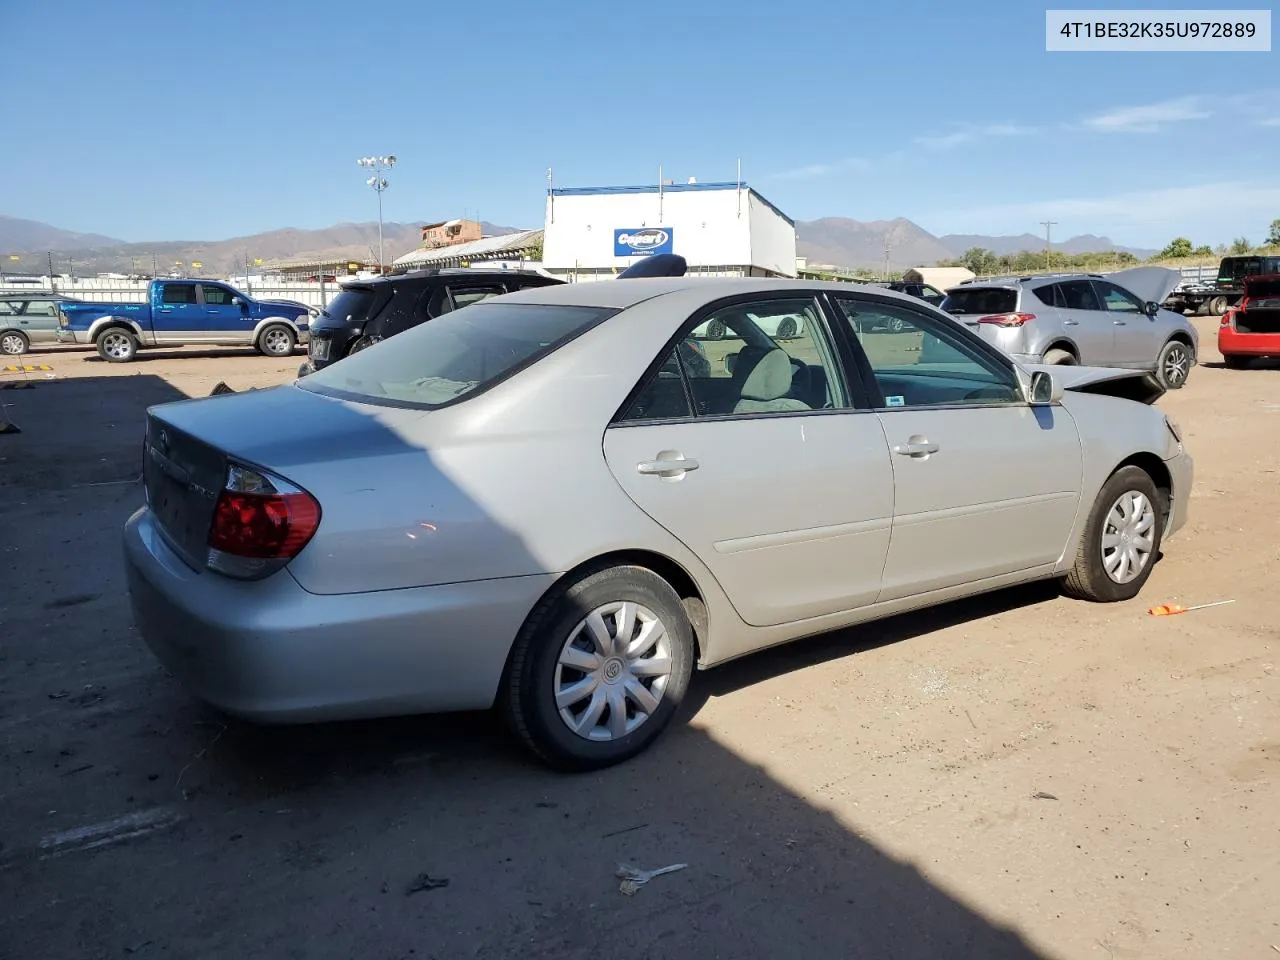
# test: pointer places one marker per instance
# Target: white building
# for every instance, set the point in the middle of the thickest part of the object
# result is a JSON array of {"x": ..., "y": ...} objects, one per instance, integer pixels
[{"x": 721, "y": 229}]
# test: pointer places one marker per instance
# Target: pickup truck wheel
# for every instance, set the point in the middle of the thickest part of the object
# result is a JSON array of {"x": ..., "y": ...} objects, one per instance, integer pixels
[
  {"x": 276, "y": 340},
  {"x": 13, "y": 343},
  {"x": 1218, "y": 306},
  {"x": 117, "y": 345}
]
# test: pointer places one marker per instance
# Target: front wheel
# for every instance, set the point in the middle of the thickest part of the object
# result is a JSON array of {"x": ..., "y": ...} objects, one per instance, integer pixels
[
  {"x": 14, "y": 343},
  {"x": 117, "y": 345},
  {"x": 1121, "y": 539},
  {"x": 599, "y": 669},
  {"x": 276, "y": 340},
  {"x": 1173, "y": 366}
]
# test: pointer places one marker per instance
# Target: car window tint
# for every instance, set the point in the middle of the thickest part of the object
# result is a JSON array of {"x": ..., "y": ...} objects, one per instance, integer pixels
[
  {"x": 178, "y": 293},
  {"x": 1117, "y": 300},
  {"x": 8, "y": 308},
  {"x": 455, "y": 356},
  {"x": 921, "y": 361},
  {"x": 400, "y": 312},
  {"x": 216, "y": 296},
  {"x": 983, "y": 300},
  {"x": 1050, "y": 295},
  {"x": 762, "y": 357},
  {"x": 663, "y": 396},
  {"x": 1079, "y": 295}
]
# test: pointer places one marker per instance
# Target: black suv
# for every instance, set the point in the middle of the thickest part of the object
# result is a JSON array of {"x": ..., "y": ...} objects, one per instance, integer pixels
[{"x": 367, "y": 311}]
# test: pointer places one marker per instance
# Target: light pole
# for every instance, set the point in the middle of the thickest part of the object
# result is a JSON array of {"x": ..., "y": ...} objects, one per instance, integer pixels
[{"x": 379, "y": 183}]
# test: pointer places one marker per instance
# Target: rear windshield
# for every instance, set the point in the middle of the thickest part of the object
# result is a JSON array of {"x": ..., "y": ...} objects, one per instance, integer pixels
[
  {"x": 981, "y": 300},
  {"x": 351, "y": 305},
  {"x": 455, "y": 356}
]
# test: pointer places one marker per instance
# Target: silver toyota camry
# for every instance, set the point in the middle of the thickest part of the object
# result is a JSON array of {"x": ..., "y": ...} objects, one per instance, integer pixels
[{"x": 539, "y": 503}]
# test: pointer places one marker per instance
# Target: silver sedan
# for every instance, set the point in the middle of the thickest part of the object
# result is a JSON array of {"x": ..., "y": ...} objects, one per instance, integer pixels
[{"x": 538, "y": 503}]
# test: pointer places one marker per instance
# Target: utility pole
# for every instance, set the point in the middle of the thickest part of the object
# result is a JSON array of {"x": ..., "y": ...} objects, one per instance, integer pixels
[
  {"x": 888, "y": 245},
  {"x": 1048, "y": 242}
]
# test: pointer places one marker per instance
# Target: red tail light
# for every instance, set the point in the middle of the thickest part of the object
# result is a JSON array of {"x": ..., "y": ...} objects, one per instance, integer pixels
[
  {"x": 1007, "y": 319},
  {"x": 260, "y": 522}
]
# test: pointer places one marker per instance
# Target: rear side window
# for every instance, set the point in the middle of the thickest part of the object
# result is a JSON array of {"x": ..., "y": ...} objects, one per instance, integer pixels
[
  {"x": 1078, "y": 295},
  {"x": 351, "y": 305},
  {"x": 179, "y": 293},
  {"x": 981, "y": 300},
  {"x": 8, "y": 308},
  {"x": 40, "y": 308},
  {"x": 453, "y": 357}
]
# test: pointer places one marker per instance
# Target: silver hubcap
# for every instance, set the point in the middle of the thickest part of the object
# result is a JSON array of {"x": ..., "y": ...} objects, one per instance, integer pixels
[
  {"x": 11, "y": 344},
  {"x": 116, "y": 345},
  {"x": 1128, "y": 537},
  {"x": 1177, "y": 364},
  {"x": 276, "y": 341},
  {"x": 613, "y": 671}
]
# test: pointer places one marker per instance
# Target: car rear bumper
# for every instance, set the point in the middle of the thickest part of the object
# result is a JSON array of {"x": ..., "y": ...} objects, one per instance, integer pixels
[
  {"x": 1234, "y": 343},
  {"x": 269, "y": 651}
]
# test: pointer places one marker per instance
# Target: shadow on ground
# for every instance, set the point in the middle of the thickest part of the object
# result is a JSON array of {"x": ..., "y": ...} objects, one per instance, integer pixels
[{"x": 305, "y": 841}]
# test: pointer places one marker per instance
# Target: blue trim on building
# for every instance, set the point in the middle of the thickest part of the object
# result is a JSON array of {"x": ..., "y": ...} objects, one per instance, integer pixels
[{"x": 669, "y": 188}]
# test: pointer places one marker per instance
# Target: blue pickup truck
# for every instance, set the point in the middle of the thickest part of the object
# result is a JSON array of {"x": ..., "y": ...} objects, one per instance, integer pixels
[{"x": 180, "y": 312}]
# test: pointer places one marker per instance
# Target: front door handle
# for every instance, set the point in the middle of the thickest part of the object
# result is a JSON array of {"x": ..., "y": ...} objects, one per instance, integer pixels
[
  {"x": 670, "y": 465},
  {"x": 1117, "y": 323},
  {"x": 918, "y": 448},
  {"x": 1071, "y": 323}
]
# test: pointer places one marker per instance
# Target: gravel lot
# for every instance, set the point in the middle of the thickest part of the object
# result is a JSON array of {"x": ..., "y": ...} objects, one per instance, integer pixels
[{"x": 1016, "y": 776}]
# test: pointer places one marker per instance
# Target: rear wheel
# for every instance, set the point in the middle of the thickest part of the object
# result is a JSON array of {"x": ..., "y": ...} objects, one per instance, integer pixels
[
  {"x": 1121, "y": 539},
  {"x": 14, "y": 343},
  {"x": 716, "y": 330},
  {"x": 1218, "y": 306},
  {"x": 117, "y": 345},
  {"x": 599, "y": 669},
  {"x": 1173, "y": 366},
  {"x": 1235, "y": 361},
  {"x": 276, "y": 340},
  {"x": 786, "y": 329},
  {"x": 1060, "y": 357}
]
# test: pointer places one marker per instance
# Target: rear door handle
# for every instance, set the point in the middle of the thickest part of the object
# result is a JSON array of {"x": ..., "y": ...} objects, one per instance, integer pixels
[
  {"x": 1117, "y": 323},
  {"x": 1071, "y": 323},
  {"x": 916, "y": 448},
  {"x": 669, "y": 465}
]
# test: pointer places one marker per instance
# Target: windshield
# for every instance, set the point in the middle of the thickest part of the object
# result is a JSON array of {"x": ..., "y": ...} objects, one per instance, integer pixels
[
  {"x": 454, "y": 356},
  {"x": 982, "y": 300}
]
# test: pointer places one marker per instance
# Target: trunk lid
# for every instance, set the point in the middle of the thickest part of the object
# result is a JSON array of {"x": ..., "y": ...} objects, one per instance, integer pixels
[{"x": 282, "y": 429}]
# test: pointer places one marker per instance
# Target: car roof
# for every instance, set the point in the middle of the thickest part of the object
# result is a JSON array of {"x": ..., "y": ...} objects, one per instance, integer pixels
[{"x": 622, "y": 294}]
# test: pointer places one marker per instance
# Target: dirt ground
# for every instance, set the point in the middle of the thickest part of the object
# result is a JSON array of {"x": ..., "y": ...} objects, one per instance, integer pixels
[{"x": 1016, "y": 776}]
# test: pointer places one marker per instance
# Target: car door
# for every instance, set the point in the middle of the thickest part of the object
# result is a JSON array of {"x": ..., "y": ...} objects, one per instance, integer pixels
[
  {"x": 1085, "y": 321},
  {"x": 1135, "y": 338},
  {"x": 225, "y": 321},
  {"x": 985, "y": 484},
  {"x": 758, "y": 462},
  {"x": 177, "y": 316}
]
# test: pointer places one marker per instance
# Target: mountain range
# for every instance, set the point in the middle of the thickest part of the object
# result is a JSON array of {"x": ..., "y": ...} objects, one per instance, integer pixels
[{"x": 829, "y": 240}]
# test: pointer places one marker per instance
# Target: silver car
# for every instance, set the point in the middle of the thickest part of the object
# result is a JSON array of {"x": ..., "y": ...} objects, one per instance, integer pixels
[
  {"x": 536, "y": 503},
  {"x": 1107, "y": 321}
]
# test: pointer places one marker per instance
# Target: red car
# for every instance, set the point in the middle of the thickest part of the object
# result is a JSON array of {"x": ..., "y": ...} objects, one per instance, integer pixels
[{"x": 1252, "y": 328}]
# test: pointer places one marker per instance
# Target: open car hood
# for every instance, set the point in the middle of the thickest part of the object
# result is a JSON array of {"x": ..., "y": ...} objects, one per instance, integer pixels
[
  {"x": 1148, "y": 283},
  {"x": 1137, "y": 385}
]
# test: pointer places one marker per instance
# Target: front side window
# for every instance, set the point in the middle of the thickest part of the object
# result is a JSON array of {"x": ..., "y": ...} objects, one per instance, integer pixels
[
  {"x": 179, "y": 293},
  {"x": 1116, "y": 300},
  {"x": 216, "y": 296},
  {"x": 455, "y": 356},
  {"x": 929, "y": 362}
]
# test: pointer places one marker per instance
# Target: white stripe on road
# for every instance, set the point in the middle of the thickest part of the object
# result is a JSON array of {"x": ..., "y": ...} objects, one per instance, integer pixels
[{"x": 109, "y": 831}]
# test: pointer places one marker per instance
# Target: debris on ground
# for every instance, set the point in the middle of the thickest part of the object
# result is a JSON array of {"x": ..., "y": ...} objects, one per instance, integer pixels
[
  {"x": 633, "y": 878},
  {"x": 424, "y": 881},
  {"x": 1041, "y": 795},
  {"x": 1173, "y": 609}
]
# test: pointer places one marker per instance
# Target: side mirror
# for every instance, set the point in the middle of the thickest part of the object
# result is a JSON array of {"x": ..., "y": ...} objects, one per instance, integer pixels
[
  {"x": 1151, "y": 308},
  {"x": 237, "y": 302},
  {"x": 1045, "y": 389}
]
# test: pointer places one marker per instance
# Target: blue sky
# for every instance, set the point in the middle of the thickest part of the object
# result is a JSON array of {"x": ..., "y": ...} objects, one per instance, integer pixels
[{"x": 191, "y": 121}]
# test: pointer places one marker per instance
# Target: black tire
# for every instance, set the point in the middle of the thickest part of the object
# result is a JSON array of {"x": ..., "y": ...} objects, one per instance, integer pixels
[
  {"x": 896, "y": 325},
  {"x": 277, "y": 340},
  {"x": 1235, "y": 361},
  {"x": 14, "y": 343},
  {"x": 1173, "y": 365},
  {"x": 787, "y": 329},
  {"x": 1060, "y": 357},
  {"x": 528, "y": 691},
  {"x": 716, "y": 330},
  {"x": 1088, "y": 579},
  {"x": 117, "y": 345},
  {"x": 363, "y": 343},
  {"x": 1218, "y": 306}
]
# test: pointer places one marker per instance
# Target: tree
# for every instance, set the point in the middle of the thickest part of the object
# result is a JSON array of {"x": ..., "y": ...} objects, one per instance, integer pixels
[
  {"x": 1240, "y": 245},
  {"x": 1204, "y": 250},
  {"x": 1273, "y": 237},
  {"x": 980, "y": 260},
  {"x": 1178, "y": 247}
]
